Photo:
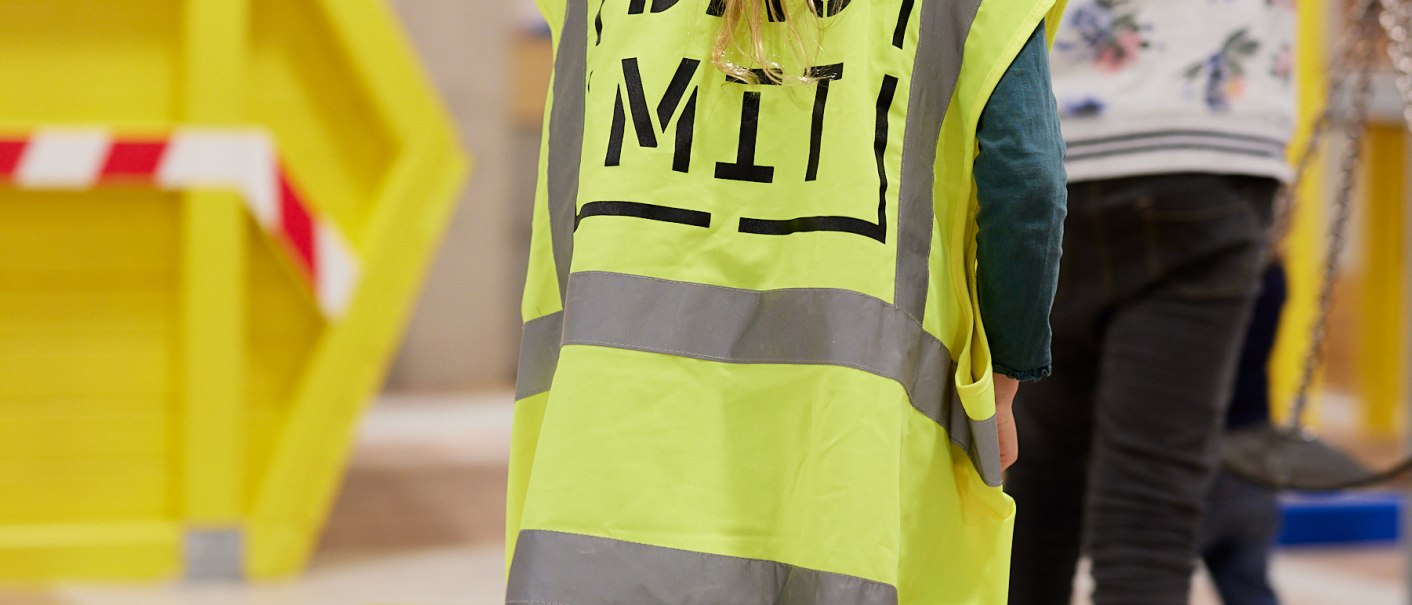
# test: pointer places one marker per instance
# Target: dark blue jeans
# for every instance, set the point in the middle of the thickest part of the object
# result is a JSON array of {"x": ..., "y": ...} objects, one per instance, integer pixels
[
  {"x": 1237, "y": 537},
  {"x": 1118, "y": 450}
]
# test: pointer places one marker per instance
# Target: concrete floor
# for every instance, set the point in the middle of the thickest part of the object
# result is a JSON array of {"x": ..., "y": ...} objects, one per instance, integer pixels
[{"x": 420, "y": 522}]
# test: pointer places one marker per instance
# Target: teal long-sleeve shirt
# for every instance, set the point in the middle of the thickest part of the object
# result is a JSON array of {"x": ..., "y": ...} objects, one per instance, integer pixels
[{"x": 1021, "y": 187}]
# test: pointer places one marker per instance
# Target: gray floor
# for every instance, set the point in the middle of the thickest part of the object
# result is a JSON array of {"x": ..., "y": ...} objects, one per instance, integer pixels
[{"x": 420, "y": 518}]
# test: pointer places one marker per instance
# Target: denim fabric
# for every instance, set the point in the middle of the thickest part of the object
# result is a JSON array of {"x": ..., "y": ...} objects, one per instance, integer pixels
[
  {"x": 1250, "y": 400},
  {"x": 1243, "y": 519},
  {"x": 1237, "y": 537},
  {"x": 1119, "y": 447},
  {"x": 1020, "y": 184}
]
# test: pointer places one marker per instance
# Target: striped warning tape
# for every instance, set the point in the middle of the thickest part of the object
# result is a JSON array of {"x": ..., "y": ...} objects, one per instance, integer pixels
[{"x": 242, "y": 160}]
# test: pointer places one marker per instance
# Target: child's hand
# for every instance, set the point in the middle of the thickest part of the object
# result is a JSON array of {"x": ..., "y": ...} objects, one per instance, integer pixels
[{"x": 1005, "y": 389}]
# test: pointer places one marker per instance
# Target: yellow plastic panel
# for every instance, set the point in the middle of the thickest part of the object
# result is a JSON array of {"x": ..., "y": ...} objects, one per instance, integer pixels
[
  {"x": 1303, "y": 246},
  {"x": 1382, "y": 333},
  {"x": 166, "y": 375},
  {"x": 99, "y": 551},
  {"x": 86, "y": 356},
  {"x": 49, "y": 50},
  {"x": 277, "y": 353},
  {"x": 303, "y": 87}
]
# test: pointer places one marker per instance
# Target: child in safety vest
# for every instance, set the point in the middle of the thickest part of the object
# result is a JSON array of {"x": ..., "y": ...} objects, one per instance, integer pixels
[{"x": 791, "y": 260}]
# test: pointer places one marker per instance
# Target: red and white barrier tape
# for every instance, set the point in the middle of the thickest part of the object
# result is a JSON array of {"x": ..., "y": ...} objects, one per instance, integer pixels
[{"x": 242, "y": 160}]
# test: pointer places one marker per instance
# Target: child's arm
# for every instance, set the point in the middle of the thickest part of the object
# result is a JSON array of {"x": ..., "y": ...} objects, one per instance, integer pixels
[{"x": 1023, "y": 197}]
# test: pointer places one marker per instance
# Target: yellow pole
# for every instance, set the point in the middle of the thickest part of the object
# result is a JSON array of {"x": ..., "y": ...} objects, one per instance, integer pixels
[
  {"x": 1381, "y": 322},
  {"x": 1304, "y": 245},
  {"x": 212, "y": 419}
]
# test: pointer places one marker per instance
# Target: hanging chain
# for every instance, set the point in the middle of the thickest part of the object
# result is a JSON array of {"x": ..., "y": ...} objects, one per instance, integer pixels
[
  {"x": 1364, "y": 52},
  {"x": 1339, "y": 72},
  {"x": 1285, "y": 198}
]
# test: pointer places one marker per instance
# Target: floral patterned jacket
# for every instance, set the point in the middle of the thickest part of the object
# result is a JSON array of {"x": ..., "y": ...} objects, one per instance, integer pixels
[{"x": 1162, "y": 86}]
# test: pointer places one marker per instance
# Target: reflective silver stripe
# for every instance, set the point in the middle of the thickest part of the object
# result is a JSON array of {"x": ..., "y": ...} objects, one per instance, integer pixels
[
  {"x": 553, "y": 568},
  {"x": 566, "y": 135},
  {"x": 981, "y": 443},
  {"x": 794, "y": 326},
  {"x": 936, "y": 69},
  {"x": 539, "y": 355}
]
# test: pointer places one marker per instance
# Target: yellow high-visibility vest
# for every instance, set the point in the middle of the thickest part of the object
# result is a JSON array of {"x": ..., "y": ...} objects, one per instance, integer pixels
[{"x": 753, "y": 368}]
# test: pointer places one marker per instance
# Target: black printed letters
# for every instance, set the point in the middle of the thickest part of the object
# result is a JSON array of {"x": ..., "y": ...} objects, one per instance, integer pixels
[
  {"x": 675, "y": 111},
  {"x": 666, "y": 109}
]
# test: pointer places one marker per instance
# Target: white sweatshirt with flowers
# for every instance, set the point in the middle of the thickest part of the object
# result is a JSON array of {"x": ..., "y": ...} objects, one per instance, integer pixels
[{"x": 1168, "y": 86}]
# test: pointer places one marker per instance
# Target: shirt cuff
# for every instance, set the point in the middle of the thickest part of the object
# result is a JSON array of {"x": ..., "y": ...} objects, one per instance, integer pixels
[{"x": 1024, "y": 375}]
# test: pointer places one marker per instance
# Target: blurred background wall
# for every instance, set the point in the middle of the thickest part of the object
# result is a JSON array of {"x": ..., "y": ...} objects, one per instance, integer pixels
[{"x": 465, "y": 331}]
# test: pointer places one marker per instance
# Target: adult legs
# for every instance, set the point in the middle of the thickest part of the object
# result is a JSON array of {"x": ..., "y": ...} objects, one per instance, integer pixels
[
  {"x": 1118, "y": 448},
  {"x": 1239, "y": 531},
  {"x": 1167, "y": 368},
  {"x": 1169, "y": 352}
]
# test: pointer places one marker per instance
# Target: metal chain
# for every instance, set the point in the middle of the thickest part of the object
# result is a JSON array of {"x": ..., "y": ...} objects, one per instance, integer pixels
[
  {"x": 1339, "y": 71},
  {"x": 1364, "y": 50}
]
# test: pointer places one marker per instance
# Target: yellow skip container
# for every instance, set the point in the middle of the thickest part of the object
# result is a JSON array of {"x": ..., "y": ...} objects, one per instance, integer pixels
[{"x": 214, "y": 216}]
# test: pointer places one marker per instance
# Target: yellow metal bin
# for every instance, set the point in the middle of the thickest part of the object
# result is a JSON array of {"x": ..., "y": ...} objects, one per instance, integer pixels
[{"x": 214, "y": 215}]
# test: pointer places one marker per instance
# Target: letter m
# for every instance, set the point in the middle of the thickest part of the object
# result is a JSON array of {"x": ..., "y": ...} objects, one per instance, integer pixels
[{"x": 642, "y": 120}]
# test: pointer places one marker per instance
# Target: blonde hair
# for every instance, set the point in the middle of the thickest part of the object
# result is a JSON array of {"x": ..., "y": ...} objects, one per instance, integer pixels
[{"x": 744, "y": 41}]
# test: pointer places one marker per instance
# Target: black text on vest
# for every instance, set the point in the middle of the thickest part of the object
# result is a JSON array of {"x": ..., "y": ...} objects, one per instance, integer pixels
[
  {"x": 642, "y": 121},
  {"x": 632, "y": 99},
  {"x": 744, "y": 167}
]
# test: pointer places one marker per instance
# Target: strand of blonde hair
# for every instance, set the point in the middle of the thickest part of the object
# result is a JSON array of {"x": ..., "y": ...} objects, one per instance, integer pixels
[{"x": 744, "y": 33}]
